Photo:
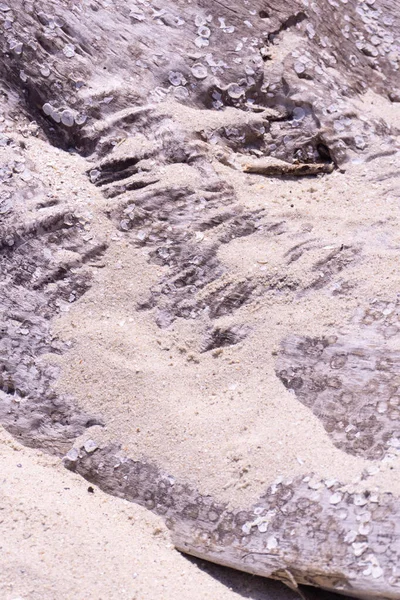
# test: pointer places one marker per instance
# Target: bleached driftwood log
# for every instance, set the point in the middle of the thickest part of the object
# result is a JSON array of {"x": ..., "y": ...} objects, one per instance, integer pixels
[{"x": 99, "y": 78}]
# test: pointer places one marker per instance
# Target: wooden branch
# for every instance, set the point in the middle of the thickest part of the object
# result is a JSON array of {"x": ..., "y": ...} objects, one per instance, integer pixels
[{"x": 275, "y": 167}]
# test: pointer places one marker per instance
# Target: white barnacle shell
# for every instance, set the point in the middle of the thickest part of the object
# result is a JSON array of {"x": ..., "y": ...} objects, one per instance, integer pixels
[
  {"x": 350, "y": 536},
  {"x": 298, "y": 113},
  {"x": 342, "y": 514},
  {"x": 181, "y": 93},
  {"x": 80, "y": 118},
  {"x": 199, "y": 71},
  {"x": 314, "y": 485},
  {"x": 204, "y": 31},
  {"x": 69, "y": 50},
  {"x": 364, "y": 529},
  {"x": 45, "y": 70},
  {"x": 272, "y": 543},
  {"x": 246, "y": 528},
  {"x": 376, "y": 572},
  {"x": 365, "y": 517},
  {"x": 262, "y": 527},
  {"x": 359, "y": 548},
  {"x": 201, "y": 42},
  {"x": 360, "y": 144},
  {"x": 16, "y": 46},
  {"x": 55, "y": 115},
  {"x": 90, "y": 446},
  {"x": 330, "y": 482},
  {"x": 138, "y": 15},
  {"x": 336, "y": 498},
  {"x": 72, "y": 455},
  {"x": 67, "y": 118},
  {"x": 299, "y": 67},
  {"x": 176, "y": 78},
  {"x": 94, "y": 175},
  {"x": 360, "y": 500},
  {"x": 200, "y": 20},
  {"x": 47, "y": 108},
  {"x": 235, "y": 91}
]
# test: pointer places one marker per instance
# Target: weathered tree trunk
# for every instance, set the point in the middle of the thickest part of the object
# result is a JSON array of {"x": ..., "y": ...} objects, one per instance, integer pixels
[{"x": 105, "y": 79}]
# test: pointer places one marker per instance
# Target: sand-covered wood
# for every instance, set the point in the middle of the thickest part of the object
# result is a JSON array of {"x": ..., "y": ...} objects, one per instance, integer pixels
[{"x": 218, "y": 347}]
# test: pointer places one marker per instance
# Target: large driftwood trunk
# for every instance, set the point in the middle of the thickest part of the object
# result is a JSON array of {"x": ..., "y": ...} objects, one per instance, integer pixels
[{"x": 105, "y": 79}]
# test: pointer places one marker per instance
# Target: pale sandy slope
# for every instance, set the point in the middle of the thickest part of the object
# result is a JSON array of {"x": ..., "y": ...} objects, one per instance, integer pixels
[{"x": 60, "y": 542}]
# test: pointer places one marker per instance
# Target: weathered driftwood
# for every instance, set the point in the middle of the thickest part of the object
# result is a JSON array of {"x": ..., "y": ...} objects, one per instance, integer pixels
[
  {"x": 274, "y": 167},
  {"x": 55, "y": 68},
  {"x": 304, "y": 531}
]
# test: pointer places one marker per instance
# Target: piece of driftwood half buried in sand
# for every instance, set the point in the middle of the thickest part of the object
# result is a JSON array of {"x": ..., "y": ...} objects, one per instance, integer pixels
[{"x": 218, "y": 347}]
